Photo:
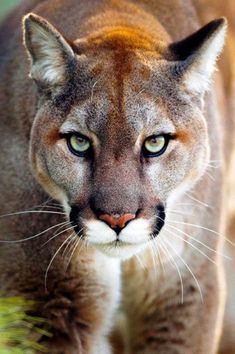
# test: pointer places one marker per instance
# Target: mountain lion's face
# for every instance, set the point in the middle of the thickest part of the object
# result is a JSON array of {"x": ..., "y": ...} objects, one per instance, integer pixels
[{"x": 117, "y": 136}]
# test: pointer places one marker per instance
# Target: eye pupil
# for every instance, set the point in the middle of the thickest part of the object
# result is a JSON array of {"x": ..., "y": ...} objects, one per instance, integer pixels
[{"x": 80, "y": 140}]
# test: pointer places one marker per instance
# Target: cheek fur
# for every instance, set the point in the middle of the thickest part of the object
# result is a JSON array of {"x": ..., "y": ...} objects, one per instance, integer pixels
[
  {"x": 49, "y": 185},
  {"x": 68, "y": 172},
  {"x": 181, "y": 169}
]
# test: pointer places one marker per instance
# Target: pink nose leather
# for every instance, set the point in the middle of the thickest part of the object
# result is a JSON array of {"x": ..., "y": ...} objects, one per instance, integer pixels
[{"x": 117, "y": 222}]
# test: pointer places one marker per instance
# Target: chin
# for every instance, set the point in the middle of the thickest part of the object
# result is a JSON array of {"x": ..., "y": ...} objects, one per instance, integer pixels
[{"x": 120, "y": 250}]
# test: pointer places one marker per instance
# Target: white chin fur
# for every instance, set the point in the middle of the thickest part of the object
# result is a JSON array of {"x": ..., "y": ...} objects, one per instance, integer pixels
[
  {"x": 121, "y": 252},
  {"x": 134, "y": 236}
]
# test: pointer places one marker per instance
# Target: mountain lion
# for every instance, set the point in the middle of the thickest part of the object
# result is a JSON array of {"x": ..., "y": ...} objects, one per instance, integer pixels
[{"x": 115, "y": 177}]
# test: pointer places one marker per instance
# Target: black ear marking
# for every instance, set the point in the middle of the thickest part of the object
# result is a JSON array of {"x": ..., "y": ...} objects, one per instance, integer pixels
[
  {"x": 195, "y": 57},
  {"x": 191, "y": 44}
]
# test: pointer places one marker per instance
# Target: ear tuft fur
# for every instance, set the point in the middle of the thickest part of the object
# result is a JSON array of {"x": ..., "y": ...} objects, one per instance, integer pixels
[
  {"x": 197, "y": 54},
  {"x": 47, "y": 49}
]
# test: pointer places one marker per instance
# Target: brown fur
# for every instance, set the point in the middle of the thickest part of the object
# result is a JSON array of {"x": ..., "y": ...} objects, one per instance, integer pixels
[{"x": 119, "y": 81}]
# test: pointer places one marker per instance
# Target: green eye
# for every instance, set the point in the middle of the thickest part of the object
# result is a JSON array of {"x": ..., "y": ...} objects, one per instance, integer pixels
[
  {"x": 155, "y": 145},
  {"x": 78, "y": 144}
]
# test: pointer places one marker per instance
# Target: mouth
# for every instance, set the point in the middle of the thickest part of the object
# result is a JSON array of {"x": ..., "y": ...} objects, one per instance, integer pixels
[
  {"x": 120, "y": 249},
  {"x": 130, "y": 240}
]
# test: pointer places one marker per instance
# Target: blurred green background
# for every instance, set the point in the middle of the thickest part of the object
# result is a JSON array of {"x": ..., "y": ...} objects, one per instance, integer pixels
[{"x": 6, "y": 6}]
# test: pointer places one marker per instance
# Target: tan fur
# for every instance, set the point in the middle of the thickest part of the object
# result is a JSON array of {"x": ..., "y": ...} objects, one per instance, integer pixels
[{"x": 118, "y": 72}]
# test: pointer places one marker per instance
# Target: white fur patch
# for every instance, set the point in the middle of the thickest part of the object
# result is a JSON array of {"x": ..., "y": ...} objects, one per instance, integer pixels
[
  {"x": 137, "y": 231},
  {"x": 97, "y": 232}
]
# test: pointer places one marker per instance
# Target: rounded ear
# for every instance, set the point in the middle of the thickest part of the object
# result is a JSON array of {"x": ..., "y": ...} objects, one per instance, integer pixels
[
  {"x": 49, "y": 53},
  {"x": 197, "y": 54}
]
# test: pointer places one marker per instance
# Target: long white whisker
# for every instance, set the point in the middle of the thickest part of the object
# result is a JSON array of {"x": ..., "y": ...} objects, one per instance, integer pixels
[
  {"x": 186, "y": 265},
  {"x": 154, "y": 255},
  {"x": 34, "y": 236},
  {"x": 79, "y": 241},
  {"x": 203, "y": 228},
  {"x": 140, "y": 262},
  {"x": 198, "y": 241},
  {"x": 192, "y": 245},
  {"x": 177, "y": 268},
  {"x": 52, "y": 259},
  {"x": 198, "y": 201},
  {"x": 66, "y": 223},
  {"x": 69, "y": 243},
  {"x": 158, "y": 249},
  {"x": 48, "y": 206},
  {"x": 190, "y": 205},
  {"x": 32, "y": 212},
  {"x": 210, "y": 175},
  {"x": 56, "y": 235},
  {"x": 178, "y": 212}
]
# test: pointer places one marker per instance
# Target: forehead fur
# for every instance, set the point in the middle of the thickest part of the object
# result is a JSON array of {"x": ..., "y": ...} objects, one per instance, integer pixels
[
  {"x": 124, "y": 38},
  {"x": 127, "y": 90}
]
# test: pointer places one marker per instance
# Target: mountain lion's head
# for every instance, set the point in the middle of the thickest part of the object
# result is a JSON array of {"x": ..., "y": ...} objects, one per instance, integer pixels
[{"x": 119, "y": 130}]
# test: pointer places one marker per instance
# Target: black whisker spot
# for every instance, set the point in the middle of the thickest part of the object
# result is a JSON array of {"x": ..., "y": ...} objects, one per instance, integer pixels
[{"x": 161, "y": 215}]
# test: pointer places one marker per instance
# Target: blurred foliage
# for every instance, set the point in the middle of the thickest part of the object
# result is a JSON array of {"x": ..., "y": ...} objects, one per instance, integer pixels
[
  {"x": 19, "y": 332},
  {"x": 6, "y": 6}
]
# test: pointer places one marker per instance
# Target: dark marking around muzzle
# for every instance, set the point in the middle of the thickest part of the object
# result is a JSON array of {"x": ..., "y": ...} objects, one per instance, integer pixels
[
  {"x": 73, "y": 216},
  {"x": 160, "y": 219}
]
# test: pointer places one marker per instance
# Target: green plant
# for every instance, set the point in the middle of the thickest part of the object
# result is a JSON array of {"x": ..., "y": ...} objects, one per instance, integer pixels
[{"x": 19, "y": 331}]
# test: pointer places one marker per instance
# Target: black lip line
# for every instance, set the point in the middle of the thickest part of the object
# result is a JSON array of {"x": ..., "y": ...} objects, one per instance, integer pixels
[{"x": 121, "y": 243}]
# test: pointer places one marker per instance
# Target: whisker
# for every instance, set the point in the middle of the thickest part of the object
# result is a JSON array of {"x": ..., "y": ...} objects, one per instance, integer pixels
[
  {"x": 175, "y": 265},
  {"x": 192, "y": 245},
  {"x": 52, "y": 260},
  {"x": 140, "y": 262},
  {"x": 216, "y": 161},
  {"x": 56, "y": 235},
  {"x": 69, "y": 243},
  {"x": 203, "y": 228},
  {"x": 178, "y": 212},
  {"x": 211, "y": 166},
  {"x": 76, "y": 236},
  {"x": 48, "y": 206},
  {"x": 32, "y": 212},
  {"x": 93, "y": 87},
  {"x": 82, "y": 245},
  {"x": 158, "y": 249},
  {"x": 198, "y": 201},
  {"x": 190, "y": 205},
  {"x": 189, "y": 269},
  {"x": 210, "y": 175},
  {"x": 67, "y": 222},
  {"x": 46, "y": 202},
  {"x": 154, "y": 256},
  {"x": 34, "y": 236},
  {"x": 198, "y": 241}
]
